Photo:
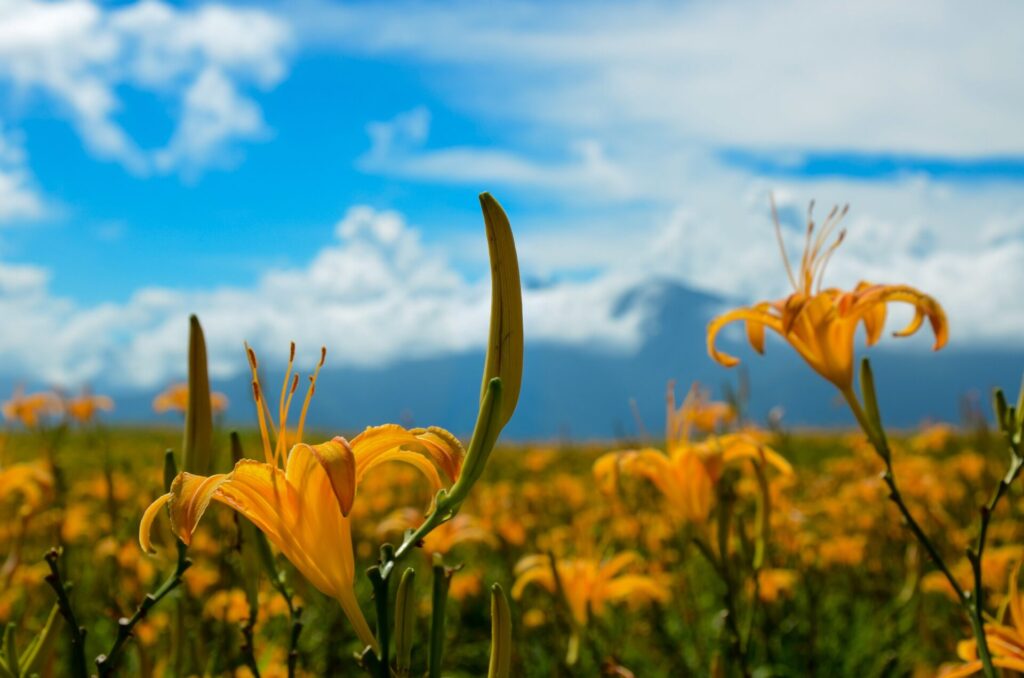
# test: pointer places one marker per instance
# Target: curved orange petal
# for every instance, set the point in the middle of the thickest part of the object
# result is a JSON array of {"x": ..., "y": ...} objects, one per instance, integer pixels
[
  {"x": 146, "y": 524},
  {"x": 922, "y": 303},
  {"x": 339, "y": 462},
  {"x": 190, "y": 497},
  {"x": 755, "y": 314}
]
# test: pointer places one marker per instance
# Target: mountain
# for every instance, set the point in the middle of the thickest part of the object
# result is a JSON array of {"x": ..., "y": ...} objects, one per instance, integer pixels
[{"x": 580, "y": 392}]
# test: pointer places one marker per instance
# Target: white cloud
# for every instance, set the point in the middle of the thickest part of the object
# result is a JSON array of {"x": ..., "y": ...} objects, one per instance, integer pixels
[
  {"x": 913, "y": 77},
  {"x": 78, "y": 55},
  {"x": 398, "y": 148},
  {"x": 373, "y": 296},
  {"x": 19, "y": 198}
]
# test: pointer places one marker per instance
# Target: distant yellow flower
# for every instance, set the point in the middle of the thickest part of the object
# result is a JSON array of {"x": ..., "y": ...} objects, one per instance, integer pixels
[
  {"x": 459, "y": 530},
  {"x": 303, "y": 509},
  {"x": 174, "y": 398},
  {"x": 590, "y": 585},
  {"x": 821, "y": 323},
  {"x": 1005, "y": 642},
  {"x": 83, "y": 408},
  {"x": 29, "y": 410},
  {"x": 687, "y": 474}
]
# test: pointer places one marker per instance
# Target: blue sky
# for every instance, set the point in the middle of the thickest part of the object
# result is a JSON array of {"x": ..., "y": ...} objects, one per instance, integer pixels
[{"x": 309, "y": 170}]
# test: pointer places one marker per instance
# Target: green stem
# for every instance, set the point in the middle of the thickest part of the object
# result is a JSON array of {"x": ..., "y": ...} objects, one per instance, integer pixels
[
  {"x": 107, "y": 663},
  {"x": 439, "y": 597},
  {"x": 380, "y": 598},
  {"x": 971, "y": 604},
  {"x": 54, "y": 579}
]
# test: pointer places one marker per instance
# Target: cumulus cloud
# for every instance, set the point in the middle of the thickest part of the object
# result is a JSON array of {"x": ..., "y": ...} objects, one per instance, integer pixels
[
  {"x": 375, "y": 295},
  {"x": 78, "y": 54},
  {"x": 918, "y": 77},
  {"x": 398, "y": 148},
  {"x": 19, "y": 198}
]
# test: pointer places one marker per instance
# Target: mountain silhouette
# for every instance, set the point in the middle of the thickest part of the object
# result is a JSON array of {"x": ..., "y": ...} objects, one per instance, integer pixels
[{"x": 583, "y": 392}]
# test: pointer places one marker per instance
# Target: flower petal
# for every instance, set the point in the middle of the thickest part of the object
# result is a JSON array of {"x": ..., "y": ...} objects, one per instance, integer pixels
[
  {"x": 146, "y": 524},
  {"x": 339, "y": 462},
  {"x": 757, "y": 314},
  {"x": 190, "y": 496}
]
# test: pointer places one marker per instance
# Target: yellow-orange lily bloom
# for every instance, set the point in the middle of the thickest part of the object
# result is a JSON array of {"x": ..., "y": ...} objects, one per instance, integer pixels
[
  {"x": 304, "y": 508},
  {"x": 687, "y": 473},
  {"x": 590, "y": 584},
  {"x": 1005, "y": 641},
  {"x": 821, "y": 324},
  {"x": 174, "y": 398},
  {"x": 30, "y": 409},
  {"x": 84, "y": 407}
]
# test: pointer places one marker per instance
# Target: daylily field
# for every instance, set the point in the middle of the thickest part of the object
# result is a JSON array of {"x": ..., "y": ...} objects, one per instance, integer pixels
[{"x": 724, "y": 547}]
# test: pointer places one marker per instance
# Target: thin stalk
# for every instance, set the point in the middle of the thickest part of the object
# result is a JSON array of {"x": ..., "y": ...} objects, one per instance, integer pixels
[
  {"x": 61, "y": 588},
  {"x": 970, "y": 602},
  {"x": 438, "y": 599},
  {"x": 107, "y": 663}
]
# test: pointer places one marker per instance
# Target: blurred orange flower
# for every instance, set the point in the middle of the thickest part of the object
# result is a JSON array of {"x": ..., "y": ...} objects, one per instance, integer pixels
[
  {"x": 174, "y": 398},
  {"x": 31, "y": 409},
  {"x": 83, "y": 408}
]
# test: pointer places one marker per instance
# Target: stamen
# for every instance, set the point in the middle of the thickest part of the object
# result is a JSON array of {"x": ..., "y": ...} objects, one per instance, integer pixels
[
  {"x": 310, "y": 392},
  {"x": 828, "y": 256},
  {"x": 281, "y": 448},
  {"x": 782, "y": 245},
  {"x": 804, "y": 260},
  {"x": 257, "y": 396},
  {"x": 284, "y": 393}
]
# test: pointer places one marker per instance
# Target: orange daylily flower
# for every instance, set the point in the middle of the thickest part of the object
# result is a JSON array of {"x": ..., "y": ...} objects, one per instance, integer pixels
[
  {"x": 304, "y": 507},
  {"x": 31, "y": 409},
  {"x": 174, "y": 398},
  {"x": 821, "y": 324},
  {"x": 1005, "y": 641},
  {"x": 688, "y": 472},
  {"x": 590, "y": 584},
  {"x": 83, "y": 408}
]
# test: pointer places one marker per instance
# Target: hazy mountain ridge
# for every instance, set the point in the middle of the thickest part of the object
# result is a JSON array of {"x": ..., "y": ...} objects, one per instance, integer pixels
[{"x": 582, "y": 392}]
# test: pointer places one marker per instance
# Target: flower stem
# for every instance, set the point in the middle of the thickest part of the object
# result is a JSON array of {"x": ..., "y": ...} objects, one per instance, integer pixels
[
  {"x": 60, "y": 587},
  {"x": 971, "y": 603},
  {"x": 107, "y": 663}
]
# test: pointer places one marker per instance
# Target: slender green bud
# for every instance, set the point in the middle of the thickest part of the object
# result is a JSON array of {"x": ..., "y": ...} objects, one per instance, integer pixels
[
  {"x": 870, "y": 398},
  {"x": 405, "y": 618},
  {"x": 485, "y": 435},
  {"x": 197, "y": 448},
  {"x": 170, "y": 470},
  {"x": 438, "y": 600},
  {"x": 1001, "y": 409},
  {"x": 501, "y": 635},
  {"x": 505, "y": 342}
]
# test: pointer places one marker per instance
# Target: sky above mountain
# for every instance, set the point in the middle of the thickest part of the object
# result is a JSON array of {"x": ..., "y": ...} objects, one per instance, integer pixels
[{"x": 309, "y": 170}]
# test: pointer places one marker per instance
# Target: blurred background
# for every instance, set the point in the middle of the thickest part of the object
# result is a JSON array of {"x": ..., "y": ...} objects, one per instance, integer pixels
[{"x": 308, "y": 171}]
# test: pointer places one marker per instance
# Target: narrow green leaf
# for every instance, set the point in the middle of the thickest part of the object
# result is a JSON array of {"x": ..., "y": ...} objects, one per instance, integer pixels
[
  {"x": 501, "y": 635},
  {"x": 11, "y": 650},
  {"x": 198, "y": 444},
  {"x": 41, "y": 648},
  {"x": 505, "y": 342},
  {"x": 405, "y": 618}
]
